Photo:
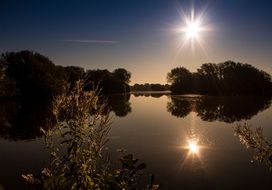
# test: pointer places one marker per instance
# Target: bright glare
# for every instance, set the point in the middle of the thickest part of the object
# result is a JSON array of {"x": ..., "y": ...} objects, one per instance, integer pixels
[
  {"x": 193, "y": 147},
  {"x": 192, "y": 29}
]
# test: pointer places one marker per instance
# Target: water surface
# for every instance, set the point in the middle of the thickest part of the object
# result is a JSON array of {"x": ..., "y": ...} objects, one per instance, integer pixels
[{"x": 157, "y": 129}]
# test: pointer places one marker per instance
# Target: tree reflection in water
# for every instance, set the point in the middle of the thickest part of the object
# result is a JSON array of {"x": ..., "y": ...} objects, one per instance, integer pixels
[
  {"x": 229, "y": 110},
  {"x": 22, "y": 119},
  {"x": 226, "y": 109},
  {"x": 150, "y": 94},
  {"x": 119, "y": 104}
]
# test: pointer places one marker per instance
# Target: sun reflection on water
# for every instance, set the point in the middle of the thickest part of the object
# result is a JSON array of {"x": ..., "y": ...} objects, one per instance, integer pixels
[{"x": 193, "y": 147}]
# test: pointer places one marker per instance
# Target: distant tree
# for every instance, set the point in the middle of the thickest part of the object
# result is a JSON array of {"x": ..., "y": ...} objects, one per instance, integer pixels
[
  {"x": 209, "y": 78},
  {"x": 35, "y": 75},
  {"x": 109, "y": 82},
  {"x": 122, "y": 75},
  {"x": 181, "y": 79},
  {"x": 1, "y": 72},
  {"x": 239, "y": 78},
  {"x": 121, "y": 79},
  {"x": 149, "y": 87},
  {"x": 157, "y": 87},
  {"x": 227, "y": 78},
  {"x": 100, "y": 78},
  {"x": 73, "y": 74}
]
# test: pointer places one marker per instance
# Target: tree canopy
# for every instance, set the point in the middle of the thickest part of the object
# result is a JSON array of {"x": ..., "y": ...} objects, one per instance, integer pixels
[
  {"x": 109, "y": 82},
  {"x": 227, "y": 78},
  {"x": 37, "y": 76},
  {"x": 1, "y": 72},
  {"x": 34, "y": 74},
  {"x": 149, "y": 87}
]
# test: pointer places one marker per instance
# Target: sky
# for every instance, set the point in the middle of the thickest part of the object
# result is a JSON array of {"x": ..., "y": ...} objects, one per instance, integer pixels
[{"x": 143, "y": 37}]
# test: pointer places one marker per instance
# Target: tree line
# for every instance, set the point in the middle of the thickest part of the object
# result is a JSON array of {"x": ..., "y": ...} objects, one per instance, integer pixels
[
  {"x": 30, "y": 74},
  {"x": 149, "y": 87},
  {"x": 35, "y": 75},
  {"x": 227, "y": 78}
]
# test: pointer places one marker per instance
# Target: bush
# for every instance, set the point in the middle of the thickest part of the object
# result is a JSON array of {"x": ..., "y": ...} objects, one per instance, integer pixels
[{"x": 76, "y": 144}]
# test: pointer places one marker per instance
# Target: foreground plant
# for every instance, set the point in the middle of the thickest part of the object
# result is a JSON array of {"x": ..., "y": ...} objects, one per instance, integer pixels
[
  {"x": 255, "y": 140},
  {"x": 76, "y": 143}
]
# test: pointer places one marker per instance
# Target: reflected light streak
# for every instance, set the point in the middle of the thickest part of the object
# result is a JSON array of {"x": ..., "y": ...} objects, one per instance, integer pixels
[
  {"x": 193, "y": 147},
  {"x": 192, "y": 154}
]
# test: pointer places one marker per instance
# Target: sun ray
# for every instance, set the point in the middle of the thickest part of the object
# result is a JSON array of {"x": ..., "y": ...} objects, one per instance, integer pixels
[{"x": 192, "y": 31}]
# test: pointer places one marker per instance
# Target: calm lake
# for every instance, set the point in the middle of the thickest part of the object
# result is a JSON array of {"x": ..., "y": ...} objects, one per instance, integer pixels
[{"x": 157, "y": 129}]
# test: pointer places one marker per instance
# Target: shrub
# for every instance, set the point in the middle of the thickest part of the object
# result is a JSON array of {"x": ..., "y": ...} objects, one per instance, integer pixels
[{"x": 76, "y": 144}]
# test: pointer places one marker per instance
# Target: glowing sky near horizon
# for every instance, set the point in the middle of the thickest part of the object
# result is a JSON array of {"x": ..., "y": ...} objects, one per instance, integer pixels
[{"x": 139, "y": 35}]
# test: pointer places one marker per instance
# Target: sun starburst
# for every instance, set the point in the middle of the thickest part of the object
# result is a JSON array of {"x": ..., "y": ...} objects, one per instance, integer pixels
[
  {"x": 192, "y": 31},
  {"x": 193, "y": 147},
  {"x": 193, "y": 26}
]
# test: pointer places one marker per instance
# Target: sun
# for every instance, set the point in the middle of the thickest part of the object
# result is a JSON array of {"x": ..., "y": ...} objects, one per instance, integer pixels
[{"x": 192, "y": 29}]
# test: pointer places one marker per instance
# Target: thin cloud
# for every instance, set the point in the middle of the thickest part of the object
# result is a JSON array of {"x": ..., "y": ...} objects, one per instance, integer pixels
[{"x": 92, "y": 41}]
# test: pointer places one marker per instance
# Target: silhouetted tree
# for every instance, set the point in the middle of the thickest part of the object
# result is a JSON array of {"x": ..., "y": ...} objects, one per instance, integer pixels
[
  {"x": 35, "y": 75},
  {"x": 122, "y": 75},
  {"x": 149, "y": 87},
  {"x": 100, "y": 78},
  {"x": 1, "y": 72},
  {"x": 181, "y": 80},
  {"x": 157, "y": 87},
  {"x": 115, "y": 82},
  {"x": 227, "y": 78},
  {"x": 209, "y": 79},
  {"x": 121, "y": 79},
  {"x": 73, "y": 74}
]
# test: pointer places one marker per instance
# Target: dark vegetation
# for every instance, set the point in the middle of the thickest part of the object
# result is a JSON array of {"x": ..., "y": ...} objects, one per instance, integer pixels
[
  {"x": 255, "y": 141},
  {"x": 72, "y": 105},
  {"x": 149, "y": 87},
  {"x": 78, "y": 159},
  {"x": 34, "y": 80},
  {"x": 227, "y": 78},
  {"x": 79, "y": 117},
  {"x": 29, "y": 82},
  {"x": 36, "y": 76},
  {"x": 1, "y": 72}
]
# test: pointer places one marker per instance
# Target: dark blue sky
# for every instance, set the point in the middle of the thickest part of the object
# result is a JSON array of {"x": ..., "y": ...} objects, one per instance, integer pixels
[{"x": 137, "y": 35}]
